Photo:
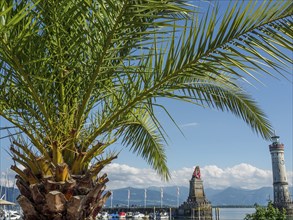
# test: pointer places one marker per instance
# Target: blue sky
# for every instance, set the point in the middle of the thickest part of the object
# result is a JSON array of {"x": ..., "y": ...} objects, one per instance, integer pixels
[
  {"x": 214, "y": 139},
  {"x": 227, "y": 150},
  {"x": 223, "y": 145}
]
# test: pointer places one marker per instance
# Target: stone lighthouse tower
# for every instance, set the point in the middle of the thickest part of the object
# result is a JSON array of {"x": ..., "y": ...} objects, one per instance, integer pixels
[{"x": 282, "y": 198}]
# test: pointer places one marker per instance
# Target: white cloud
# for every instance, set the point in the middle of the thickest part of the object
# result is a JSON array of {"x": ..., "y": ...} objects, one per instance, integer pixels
[
  {"x": 192, "y": 124},
  {"x": 242, "y": 175},
  {"x": 122, "y": 175}
]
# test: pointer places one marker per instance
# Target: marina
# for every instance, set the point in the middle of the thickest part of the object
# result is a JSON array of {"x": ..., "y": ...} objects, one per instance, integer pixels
[
  {"x": 148, "y": 213},
  {"x": 9, "y": 215}
]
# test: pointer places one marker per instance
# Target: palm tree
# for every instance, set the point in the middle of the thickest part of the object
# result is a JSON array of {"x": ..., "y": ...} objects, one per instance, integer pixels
[{"x": 78, "y": 76}]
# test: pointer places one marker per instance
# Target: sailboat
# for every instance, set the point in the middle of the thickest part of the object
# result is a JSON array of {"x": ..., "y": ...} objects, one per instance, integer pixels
[{"x": 7, "y": 213}]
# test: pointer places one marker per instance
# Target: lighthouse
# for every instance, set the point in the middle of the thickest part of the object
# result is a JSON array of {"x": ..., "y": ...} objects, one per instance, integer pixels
[{"x": 282, "y": 198}]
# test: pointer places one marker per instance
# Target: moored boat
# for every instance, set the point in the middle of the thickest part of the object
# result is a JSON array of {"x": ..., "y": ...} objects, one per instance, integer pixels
[
  {"x": 146, "y": 216},
  {"x": 138, "y": 215},
  {"x": 12, "y": 215},
  {"x": 103, "y": 215},
  {"x": 113, "y": 215},
  {"x": 129, "y": 214},
  {"x": 2, "y": 214},
  {"x": 122, "y": 214},
  {"x": 163, "y": 215}
]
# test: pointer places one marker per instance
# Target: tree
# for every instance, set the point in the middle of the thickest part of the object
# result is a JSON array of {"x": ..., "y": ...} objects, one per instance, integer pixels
[
  {"x": 78, "y": 76},
  {"x": 267, "y": 213}
]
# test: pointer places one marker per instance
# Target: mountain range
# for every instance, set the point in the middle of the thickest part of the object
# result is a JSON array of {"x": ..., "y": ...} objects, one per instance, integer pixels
[{"x": 218, "y": 197}]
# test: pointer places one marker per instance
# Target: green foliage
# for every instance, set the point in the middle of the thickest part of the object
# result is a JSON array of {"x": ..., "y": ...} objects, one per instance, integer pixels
[
  {"x": 77, "y": 76},
  {"x": 267, "y": 213}
]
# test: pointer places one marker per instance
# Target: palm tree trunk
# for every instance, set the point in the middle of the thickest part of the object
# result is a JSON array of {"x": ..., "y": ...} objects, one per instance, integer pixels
[{"x": 79, "y": 198}]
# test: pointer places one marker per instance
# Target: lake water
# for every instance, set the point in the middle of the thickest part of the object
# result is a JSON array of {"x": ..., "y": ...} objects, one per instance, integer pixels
[
  {"x": 233, "y": 213},
  {"x": 230, "y": 213}
]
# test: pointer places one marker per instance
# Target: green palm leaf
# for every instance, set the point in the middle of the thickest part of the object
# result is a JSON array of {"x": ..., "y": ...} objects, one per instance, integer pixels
[
  {"x": 143, "y": 137},
  {"x": 78, "y": 76}
]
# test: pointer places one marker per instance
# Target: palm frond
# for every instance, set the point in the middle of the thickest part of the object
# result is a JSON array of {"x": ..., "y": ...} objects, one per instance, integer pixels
[
  {"x": 141, "y": 135},
  {"x": 64, "y": 65}
]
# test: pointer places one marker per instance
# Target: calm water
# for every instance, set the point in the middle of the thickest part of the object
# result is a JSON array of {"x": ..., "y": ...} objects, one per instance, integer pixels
[
  {"x": 231, "y": 213},
  {"x": 234, "y": 213}
]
